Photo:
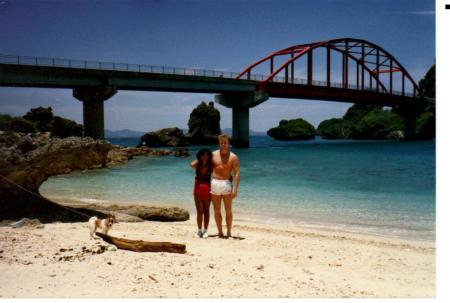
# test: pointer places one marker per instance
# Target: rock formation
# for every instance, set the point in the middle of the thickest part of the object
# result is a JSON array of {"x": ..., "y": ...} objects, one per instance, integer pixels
[
  {"x": 364, "y": 122},
  {"x": 166, "y": 137},
  {"x": 414, "y": 122},
  {"x": 27, "y": 160},
  {"x": 296, "y": 129},
  {"x": 120, "y": 155},
  {"x": 151, "y": 213},
  {"x": 204, "y": 125}
]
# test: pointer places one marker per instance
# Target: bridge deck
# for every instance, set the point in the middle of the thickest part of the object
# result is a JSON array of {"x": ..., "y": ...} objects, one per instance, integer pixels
[{"x": 61, "y": 73}]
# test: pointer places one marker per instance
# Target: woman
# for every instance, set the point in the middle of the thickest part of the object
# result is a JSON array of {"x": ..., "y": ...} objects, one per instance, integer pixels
[{"x": 202, "y": 189}]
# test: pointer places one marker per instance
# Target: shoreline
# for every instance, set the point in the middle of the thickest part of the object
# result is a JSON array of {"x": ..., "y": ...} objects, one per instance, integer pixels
[
  {"x": 241, "y": 217},
  {"x": 262, "y": 261}
]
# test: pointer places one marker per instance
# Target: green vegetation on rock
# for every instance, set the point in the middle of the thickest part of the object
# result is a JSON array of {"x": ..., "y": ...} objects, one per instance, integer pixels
[
  {"x": 332, "y": 129},
  {"x": 296, "y": 129},
  {"x": 427, "y": 86},
  {"x": 204, "y": 125},
  {"x": 42, "y": 120},
  {"x": 373, "y": 122},
  {"x": 378, "y": 124},
  {"x": 16, "y": 124}
]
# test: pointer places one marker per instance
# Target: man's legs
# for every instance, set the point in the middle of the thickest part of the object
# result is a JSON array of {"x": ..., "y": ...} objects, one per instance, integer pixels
[
  {"x": 227, "y": 202},
  {"x": 217, "y": 215}
]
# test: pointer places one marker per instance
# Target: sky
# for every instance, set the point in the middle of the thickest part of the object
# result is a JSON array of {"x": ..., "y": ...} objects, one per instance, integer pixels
[{"x": 219, "y": 35}]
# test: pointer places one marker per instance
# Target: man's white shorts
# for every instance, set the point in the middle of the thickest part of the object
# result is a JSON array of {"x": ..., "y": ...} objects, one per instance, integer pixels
[{"x": 221, "y": 187}]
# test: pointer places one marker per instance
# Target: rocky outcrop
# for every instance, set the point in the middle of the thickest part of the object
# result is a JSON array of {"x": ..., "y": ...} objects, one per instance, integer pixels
[
  {"x": 26, "y": 161},
  {"x": 182, "y": 152},
  {"x": 120, "y": 155},
  {"x": 296, "y": 129},
  {"x": 149, "y": 213},
  {"x": 364, "y": 122},
  {"x": 166, "y": 137},
  {"x": 204, "y": 125}
]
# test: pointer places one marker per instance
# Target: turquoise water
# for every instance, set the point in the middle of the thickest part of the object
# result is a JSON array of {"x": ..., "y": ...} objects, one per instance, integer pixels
[{"x": 384, "y": 188}]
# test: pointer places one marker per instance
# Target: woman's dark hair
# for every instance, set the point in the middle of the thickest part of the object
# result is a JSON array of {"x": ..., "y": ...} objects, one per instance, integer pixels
[{"x": 200, "y": 153}]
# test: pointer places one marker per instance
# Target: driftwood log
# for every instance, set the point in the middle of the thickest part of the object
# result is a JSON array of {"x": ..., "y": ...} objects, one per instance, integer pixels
[{"x": 144, "y": 246}]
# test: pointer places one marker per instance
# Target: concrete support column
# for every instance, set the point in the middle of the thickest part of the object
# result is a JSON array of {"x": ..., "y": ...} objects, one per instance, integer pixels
[
  {"x": 93, "y": 112},
  {"x": 241, "y": 127},
  {"x": 241, "y": 103},
  {"x": 93, "y": 119}
]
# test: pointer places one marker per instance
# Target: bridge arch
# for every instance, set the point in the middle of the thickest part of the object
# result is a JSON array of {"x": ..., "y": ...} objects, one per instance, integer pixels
[{"x": 369, "y": 58}]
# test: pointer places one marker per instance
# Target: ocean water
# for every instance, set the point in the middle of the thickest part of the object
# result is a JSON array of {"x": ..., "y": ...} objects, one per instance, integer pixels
[{"x": 372, "y": 187}]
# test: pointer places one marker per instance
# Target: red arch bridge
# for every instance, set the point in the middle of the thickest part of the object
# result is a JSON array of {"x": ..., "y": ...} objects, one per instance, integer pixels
[{"x": 341, "y": 70}]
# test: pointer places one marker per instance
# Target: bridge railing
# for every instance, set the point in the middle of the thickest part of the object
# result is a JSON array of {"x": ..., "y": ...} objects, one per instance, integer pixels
[{"x": 111, "y": 66}]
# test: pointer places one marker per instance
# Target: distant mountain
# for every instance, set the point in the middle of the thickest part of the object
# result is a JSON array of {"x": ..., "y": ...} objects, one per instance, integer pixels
[
  {"x": 229, "y": 132},
  {"x": 123, "y": 133},
  {"x": 126, "y": 133}
]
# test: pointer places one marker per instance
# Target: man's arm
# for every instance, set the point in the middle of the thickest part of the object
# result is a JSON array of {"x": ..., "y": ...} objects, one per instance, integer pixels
[{"x": 237, "y": 177}]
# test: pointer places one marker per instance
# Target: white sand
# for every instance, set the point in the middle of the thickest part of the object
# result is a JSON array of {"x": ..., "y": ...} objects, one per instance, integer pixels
[{"x": 269, "y": 262}]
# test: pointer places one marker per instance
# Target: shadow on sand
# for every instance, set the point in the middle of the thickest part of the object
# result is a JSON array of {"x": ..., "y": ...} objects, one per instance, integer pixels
[{"x": 225, "y": 237}]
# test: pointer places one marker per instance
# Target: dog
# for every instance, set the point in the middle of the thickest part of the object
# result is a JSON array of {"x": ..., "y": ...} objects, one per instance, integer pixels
[{"x": 103, "y": 224}]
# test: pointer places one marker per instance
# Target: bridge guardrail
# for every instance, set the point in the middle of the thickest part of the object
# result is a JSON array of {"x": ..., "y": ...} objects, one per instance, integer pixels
[{"x": 111, "y": 66}]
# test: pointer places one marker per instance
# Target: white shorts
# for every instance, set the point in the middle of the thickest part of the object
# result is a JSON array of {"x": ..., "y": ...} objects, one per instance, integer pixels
[{"x": 221, "y": 187}]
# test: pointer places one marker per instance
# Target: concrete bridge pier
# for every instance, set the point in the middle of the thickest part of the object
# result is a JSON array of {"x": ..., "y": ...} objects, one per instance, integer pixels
[
  {"x": 93, "y": 112},
  {"x": 241, "y": 104}
]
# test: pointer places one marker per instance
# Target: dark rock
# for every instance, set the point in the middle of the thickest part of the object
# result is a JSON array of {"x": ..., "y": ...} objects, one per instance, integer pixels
[
  {"x": 149, "y": 213},
  {"x": 26, "y": 161},
  {"x": 296, "y": 129},
  {"x": 120, "y": 155},
  {"x": 166, "y": 137},
  {"x": 181, "y": 152},
  {"x": 396, "y": 135},
  {"x": 204, "y": 125},
  {"x": 164, "y": 214}
]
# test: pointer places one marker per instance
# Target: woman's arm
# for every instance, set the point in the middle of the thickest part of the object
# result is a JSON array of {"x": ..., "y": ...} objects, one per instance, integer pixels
[{"x": 194, "y": 163}]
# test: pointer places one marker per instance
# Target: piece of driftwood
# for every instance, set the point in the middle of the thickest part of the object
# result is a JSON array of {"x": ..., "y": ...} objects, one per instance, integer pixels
[{"x": 144, "y": 246}]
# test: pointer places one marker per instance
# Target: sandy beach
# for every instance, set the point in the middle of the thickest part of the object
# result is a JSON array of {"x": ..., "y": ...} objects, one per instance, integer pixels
[{"x": 60, "y": 260}]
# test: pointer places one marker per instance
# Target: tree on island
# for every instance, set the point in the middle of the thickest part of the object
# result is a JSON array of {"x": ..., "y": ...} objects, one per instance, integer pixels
[{"x": 41, "y": 119}]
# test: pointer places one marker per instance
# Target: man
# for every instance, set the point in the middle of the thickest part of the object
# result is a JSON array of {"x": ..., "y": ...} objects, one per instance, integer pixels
[{"x": 222, "y": 187}]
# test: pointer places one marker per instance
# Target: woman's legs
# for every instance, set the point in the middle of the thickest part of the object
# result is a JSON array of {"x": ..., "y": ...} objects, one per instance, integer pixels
[
  {"x": 200, "y": 211},
  {"x": 206, "y": 204}
]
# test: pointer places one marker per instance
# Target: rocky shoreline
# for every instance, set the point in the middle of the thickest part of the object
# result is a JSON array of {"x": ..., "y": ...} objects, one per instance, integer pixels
[{"x": 28, "y": 160}]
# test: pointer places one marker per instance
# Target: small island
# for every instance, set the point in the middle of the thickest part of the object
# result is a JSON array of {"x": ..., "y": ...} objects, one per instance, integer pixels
[{"x": 296, "y": 129}]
